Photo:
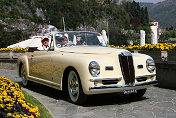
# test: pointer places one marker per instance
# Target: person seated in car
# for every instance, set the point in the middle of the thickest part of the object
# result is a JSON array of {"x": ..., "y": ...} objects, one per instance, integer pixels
[
  {"x": 80, "y": 41},
  {"x": 44, "y": 46},
  {"x": 61, "y": 41},
  {"x": 65, "y": 41}
]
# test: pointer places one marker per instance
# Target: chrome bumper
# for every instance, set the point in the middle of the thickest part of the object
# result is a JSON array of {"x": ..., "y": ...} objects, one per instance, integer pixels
[{"x": 123, "y": 87}]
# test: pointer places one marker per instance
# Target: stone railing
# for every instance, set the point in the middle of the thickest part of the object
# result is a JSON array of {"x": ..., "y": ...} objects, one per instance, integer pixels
[
  {"x": 160, "y": 56},
  {"x": 10, "y": 55},
  {"x": 8, "y": 60}
]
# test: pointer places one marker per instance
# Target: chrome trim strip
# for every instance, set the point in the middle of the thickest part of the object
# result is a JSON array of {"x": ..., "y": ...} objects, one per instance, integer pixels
[
  {"x": 126, "y": 53},
  {"x": 151, "y": 75},
  {"x": 154, "y": 82},
  {"x": 123, "y": 87},
  {"x": 93, "y": 80}
]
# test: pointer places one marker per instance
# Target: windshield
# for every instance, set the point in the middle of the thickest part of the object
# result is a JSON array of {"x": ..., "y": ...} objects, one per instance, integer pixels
[{"x": 79, "y": 38}]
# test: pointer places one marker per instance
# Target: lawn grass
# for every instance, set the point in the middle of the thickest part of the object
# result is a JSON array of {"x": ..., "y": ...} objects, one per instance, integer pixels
[{"x": 44, "y": 113}]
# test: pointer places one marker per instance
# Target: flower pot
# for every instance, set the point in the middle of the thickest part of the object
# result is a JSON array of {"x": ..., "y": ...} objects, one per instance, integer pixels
[
  {"x": 156, "y": 55},
  {"x": 172, "y": 57}
]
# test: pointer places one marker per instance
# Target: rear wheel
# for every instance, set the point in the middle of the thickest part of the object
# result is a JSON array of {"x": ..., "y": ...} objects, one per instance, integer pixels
[
  {"x": 139, "y": 93},
  {"x": 75, "y": 90},
  {"x": 25, "y": 82}
]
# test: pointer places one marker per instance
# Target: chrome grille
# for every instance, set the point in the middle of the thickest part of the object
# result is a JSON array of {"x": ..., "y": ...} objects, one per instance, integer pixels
[{"x": 127, "y": 67}]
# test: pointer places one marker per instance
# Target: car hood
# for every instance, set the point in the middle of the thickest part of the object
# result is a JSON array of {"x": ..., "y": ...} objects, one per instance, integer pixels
[{"x": 90, "y": 49}]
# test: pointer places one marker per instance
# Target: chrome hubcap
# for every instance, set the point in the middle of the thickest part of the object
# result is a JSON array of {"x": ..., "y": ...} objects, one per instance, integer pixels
[
  {"x": 73, "y": 86},
  {"x": 23, "y": 76}
]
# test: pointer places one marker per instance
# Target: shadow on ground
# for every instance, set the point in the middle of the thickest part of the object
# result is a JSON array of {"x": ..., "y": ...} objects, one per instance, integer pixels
[{"x": 93, "y": 100}]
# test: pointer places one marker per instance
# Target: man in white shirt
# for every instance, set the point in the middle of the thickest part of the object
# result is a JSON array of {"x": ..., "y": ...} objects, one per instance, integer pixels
[{"x": 45, "y": 42}]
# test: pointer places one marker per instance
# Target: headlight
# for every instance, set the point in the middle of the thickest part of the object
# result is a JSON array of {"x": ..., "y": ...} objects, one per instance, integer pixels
[
  {"x": 94, "y": 68},
  {"x": 150, "y": 65}
]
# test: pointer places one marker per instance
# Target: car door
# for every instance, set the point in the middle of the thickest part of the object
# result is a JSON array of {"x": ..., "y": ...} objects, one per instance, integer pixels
[{"x": 40, "y": 65}]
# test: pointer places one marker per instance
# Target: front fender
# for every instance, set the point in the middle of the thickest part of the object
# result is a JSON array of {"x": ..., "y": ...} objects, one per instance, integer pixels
[
  {"x": 81, "y": 64},
  {"x": 140, "y": 59}
]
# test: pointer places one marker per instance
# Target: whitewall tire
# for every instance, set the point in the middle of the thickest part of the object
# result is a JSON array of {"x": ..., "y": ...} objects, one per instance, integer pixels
[{"x": 75, "y": 90}]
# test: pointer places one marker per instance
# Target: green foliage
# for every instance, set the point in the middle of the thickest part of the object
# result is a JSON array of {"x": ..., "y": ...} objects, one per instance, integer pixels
[
  {"x": 10, "y": 37},
  {"x": 14, "y": 13},
  {"x": 78, "y": 13},
  {"x": 44, "y": 113},
  {"x": 139, "y": 14},
  {"x": 147, "y": 31},
  {"x": 168, "y": 34}
]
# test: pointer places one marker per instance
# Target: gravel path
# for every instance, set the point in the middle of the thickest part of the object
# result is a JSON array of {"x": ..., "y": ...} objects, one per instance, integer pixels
[{"x": 156, "y": 103}]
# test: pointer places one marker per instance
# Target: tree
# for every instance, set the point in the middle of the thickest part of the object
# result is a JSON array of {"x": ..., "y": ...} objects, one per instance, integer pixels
[{"x": 10, "y": 37}]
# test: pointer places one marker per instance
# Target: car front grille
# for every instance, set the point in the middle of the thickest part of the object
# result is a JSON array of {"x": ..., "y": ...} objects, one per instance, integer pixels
[{"x": 127, "y": 67}]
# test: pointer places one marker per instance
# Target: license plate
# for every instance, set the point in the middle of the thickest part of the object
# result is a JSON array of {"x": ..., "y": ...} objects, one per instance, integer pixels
[{"x": 130, "y": 91}]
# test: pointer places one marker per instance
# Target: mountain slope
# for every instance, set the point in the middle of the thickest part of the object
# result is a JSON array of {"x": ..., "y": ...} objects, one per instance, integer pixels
[{"x": 164, "y": 12}]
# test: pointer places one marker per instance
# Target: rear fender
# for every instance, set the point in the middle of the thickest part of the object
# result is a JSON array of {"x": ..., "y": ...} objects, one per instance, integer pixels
[{"x": 23, "y": 60}]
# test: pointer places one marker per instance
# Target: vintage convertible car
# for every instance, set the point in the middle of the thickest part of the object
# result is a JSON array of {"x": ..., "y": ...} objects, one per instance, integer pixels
[{"x": 85, "y": 65}]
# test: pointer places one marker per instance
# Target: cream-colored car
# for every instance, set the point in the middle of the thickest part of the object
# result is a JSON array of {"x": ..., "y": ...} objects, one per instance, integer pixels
[{"x": 85, "y": 65}]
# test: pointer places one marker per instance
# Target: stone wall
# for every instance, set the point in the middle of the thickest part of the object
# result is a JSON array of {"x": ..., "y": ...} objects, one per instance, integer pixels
[
  {"x": 10, "y": 64},
  {"x": 165, "y": 67},
  {"x": 8, "y": 60},
  {"x": 166, "y": 75}
]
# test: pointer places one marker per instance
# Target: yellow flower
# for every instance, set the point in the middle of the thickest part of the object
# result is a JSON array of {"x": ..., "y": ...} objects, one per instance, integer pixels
[
  {"x": 9, "y": 114},
  {"x": 162, "y": 47},
  {"x": 1, "y": 106},
  {"x": 9, "y": 108},
  {"x": 4, "y": 93},
  {"x": 13, "y": 88},
  {"x": 31, "y": 116}
]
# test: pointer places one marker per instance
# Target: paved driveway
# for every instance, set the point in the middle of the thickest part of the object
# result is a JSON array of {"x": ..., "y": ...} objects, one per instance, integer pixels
[{"x": 156, "y": 103}]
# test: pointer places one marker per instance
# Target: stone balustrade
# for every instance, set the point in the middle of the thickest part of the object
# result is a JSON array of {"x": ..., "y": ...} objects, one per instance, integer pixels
[
  {"x": 10, "y": 55},
  {"x": 8, "y": 60}
]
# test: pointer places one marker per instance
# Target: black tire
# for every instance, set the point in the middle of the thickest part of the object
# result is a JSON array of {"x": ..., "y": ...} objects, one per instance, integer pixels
[
  {"x": 75, "y": 90},
  {"x": 139, "y": 94},
  {"x": 25, "y": 81}
]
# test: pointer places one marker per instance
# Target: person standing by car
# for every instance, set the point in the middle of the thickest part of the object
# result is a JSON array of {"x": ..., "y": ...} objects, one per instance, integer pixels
[{"x": 45, "y": 42}]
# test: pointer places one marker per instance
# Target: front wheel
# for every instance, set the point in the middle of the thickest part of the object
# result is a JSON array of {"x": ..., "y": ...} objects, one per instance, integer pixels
[{"x": 75, "y": 90}]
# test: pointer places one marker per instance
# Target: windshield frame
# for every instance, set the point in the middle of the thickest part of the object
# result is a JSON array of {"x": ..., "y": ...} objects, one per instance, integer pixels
[{"x": 75, "y": 34}]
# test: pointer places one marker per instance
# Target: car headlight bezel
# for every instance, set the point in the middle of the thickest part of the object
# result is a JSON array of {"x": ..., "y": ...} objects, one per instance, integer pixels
[
  {"x": 150, "y": 65},
  {"x": 94, "y": 68}
]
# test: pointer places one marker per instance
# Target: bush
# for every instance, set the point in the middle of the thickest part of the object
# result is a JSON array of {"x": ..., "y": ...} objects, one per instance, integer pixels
[
  {"x": 18, "y": 50},
  {"x": 12, "y": 101},
  {"x": 149, "y": 47}
]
